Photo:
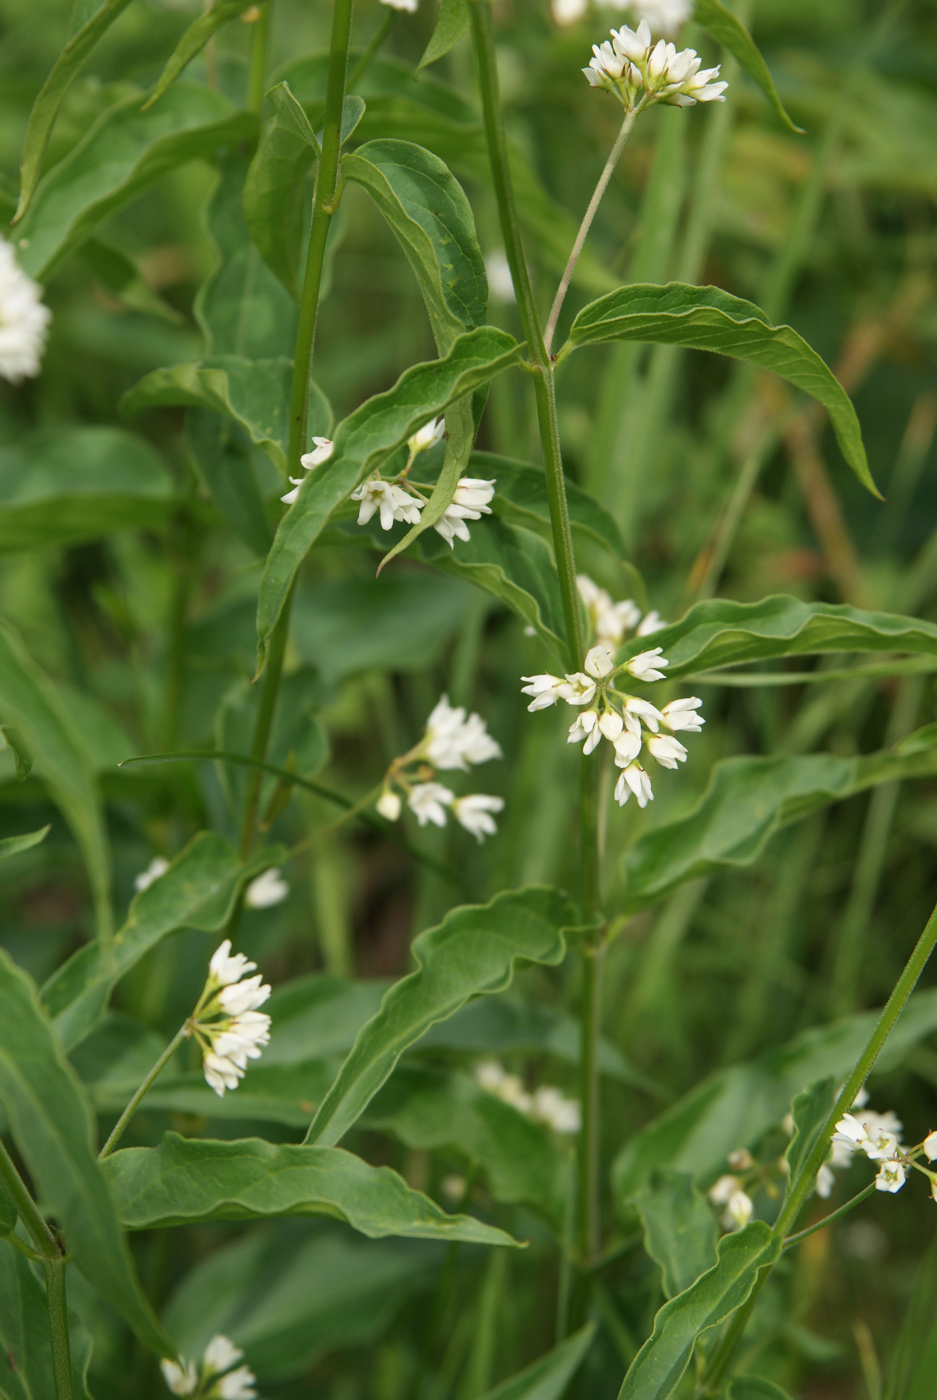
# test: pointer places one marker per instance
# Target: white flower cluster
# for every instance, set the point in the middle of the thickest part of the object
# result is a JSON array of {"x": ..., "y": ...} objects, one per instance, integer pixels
[
  {"x": 227, "y": 1022},
  {"x": 452, "y": 740},
  {"x": 878, "y": 1137},
  {"x": 324, "y": 447},
  {"x": 213, "y": 1378},
  {"x": 24, "y": 321},
  {"x": 545, "y": 1105},
  {"x": 626, "y": 721},
  {"x": 640, "y": 72},
  {"x": 610, "y": 622},
  {"x": 266, "y": 890},
  {"x": 729, "y": 1191},
  {"x": 663, "y": 16}
]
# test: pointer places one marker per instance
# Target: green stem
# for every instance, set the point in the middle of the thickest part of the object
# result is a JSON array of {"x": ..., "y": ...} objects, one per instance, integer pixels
[
  {"x": 135, "y": 1102},
  {"x": 793, "y": 1240},
  {"x": 324, "y": 205},
  {"x": 586, "y": 224},
  {"x": 374, "y": 43},
  {"x": 258, "y": 71},
  {"x": 53, "y": 1266}
]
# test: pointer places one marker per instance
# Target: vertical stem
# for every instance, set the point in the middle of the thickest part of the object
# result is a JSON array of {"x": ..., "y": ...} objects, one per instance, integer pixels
[
  {"x": 137, "y": 1099},
  {"x": 53, "y": 1266},
  {"x": 324, "y": 205},
  {"x": 258, "y": 69}
]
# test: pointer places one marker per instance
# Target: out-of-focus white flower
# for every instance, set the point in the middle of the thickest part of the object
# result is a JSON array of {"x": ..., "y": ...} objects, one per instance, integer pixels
[
  {"x": 609, "y": 621},
  {"x": 324, "y": 447},
  {"x": 544, "y": 688},
  {"x": 643, "y": 666},
  {"x": 391, "y": 501},
  {"x": 891, "y": 1176},
  {"x": 181, "y": 1376},
  {"x": 930, "y": 1146},
  {"x": 651, "y": 622},
  {"x": 497, "y": 267},
  {"x": 428, "y": 803},
  {"x": 568, "y": 11},
  {"x": 24, "y": 321},
  {"x": 213, "y": 1378},
  {"x": 411, "y": 6},
  {"x": 663, "y": 16},
  {"x": 634, "y": 780},
  {"x": 474, "y": 812},
  {"x": 227, "y": 1023},
  {"x": 739, "y": 1210},
  {"x": 723, "y": 1190},
  {"x": 741, "y": 1160},
  {"x": 454, "y": 741},
  {"x": 426, "y": 437},
  {"x": 494, "y": 1078},
  {"x": 825, "y": 1182},
  {"x": 268, "y": 889},
  {"x": 681, "y": 714},
  {"x": 470, "y": 502},
  {"x": 236, "y": 1385},
  {"x": 221, "y": 1354},
  {"x": 389, "y": 804},
  {"x": 553, "y": 1108},
  {"x": 154, "y": 871}
]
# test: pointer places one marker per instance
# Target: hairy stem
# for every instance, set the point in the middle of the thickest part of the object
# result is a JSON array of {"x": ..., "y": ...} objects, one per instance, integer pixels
[
  {"x": 324, "y": 204},
  {"x": 53, "y": 1266},
  {"x": 134, "y": 1104},
  {"x": 584, "y": 227}
]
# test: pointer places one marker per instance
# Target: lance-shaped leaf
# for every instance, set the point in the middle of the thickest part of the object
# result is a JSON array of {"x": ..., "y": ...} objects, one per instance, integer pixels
[
  {"x": 194, "y": 40},
  {"x": 473, "y": 952},
  {"x": 723, "y": 633},
  {"x": 452, "y": 23},
  {"x": 659, "y": 1366},
  {"x": 30, "y": 703},
  {"x": 911, "y": 1373},
  {"x": 745, "y": 803},
  {"x": 735, "y": 1107},
  {"x": 25, "y": 1354},
  {"x": 13, "y": 845},
  {"x": 713, "y": 16},
  {"x": 197, "y": 891},
  {"x": 123, "y": 153},
  {"x": 679, "y": 1229},
  {"x": 755, "y": 1388},
  {"x": 52, "y": 94},
  {"x": 706, "y": 318},
  {"x": 274, "y": 193},
  {"x": 432, "y": 220},
  {"x": 810, "y": 1110},
  {"x": 521, "y": 499},
  {"x": 186, "y": 1180},
  {"x": 363, "y": 441},
  {"x": 51, "y": 1123},
  {"x": 224, "y": 461},
  {"x": 548, "y": 1377}
]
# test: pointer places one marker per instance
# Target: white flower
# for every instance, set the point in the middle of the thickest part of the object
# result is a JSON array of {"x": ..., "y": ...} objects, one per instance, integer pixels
[
  {"x": 544, "y": 688},
  {"x": 220, "y": 1354},
  {"x": 181, "y": 1379},
  {"x": 452, "y": 741},
  {"x": 663, "y": 16},
  {"x": 225, "y": 969},
  {"x": 642, "y": 666},
  {"x": 668, "y": 752},
  {"x": 426, "y": 437},
  {"x": 741, "y": 1160},
  {"x": 268, "y": 889},
  {"x": 24, "y": 321},
  {"x": 568, "y": 11},
  {"x": 599, "y": 662},
  {"x": 389, "y": 804},
  {"x": 494, "y": 1078},
  {"x": 585, "y": 726},
  {"x": 227, "y": 1024},
  {"x": 428, "y": 803},
  {"x": 872, "y": 1133},
  {"x": 236, "y": 1385},
  {"x": 637, "y": 73},
  {"x": 634, "y": 780},
  {"x": 474, "y": 813},
  {"x": 154, "y": 871},
  {"x": 610, "y": 621},
  {"x": 641, "y": 710},
  {"x": 891, "y": 1176},
  {"x": 470, "y": 502},
  {"x": 409, "y": 5},
  {"x": 723, "y": 1190},
  {"x": 651, "y": 622},
  {"x": 739, "y": 1210},
  {"x": 392, "y": 502},
  {"x": 577, "y": 689},
  {"x": 248, "y": 995},
  {"x": 324, "y": 447},
  {"x": 490, "y": 1074},
  {"x": 497, "y": 267},
  {"x": 825, "y": 1182},
  {"x": 627, "y": 747},
  {"x": 930, "y": 1146},
  {"x": 680, "y": 714},
  {"x": 633, "y": 44},
  {"x": 560, "y": 1114}
]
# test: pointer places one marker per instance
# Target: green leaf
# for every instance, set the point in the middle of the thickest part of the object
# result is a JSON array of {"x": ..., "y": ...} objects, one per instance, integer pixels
[
  {"x": 521, "y": 499},
  {"x": 275, "y": 199},
  {"x": 460, "y": 435},
  {"x": 224, "y": 461},
  {"x": 810, "y": 1110},
  {"x": 13, "y": 845},
  {"x": 548, "y": 1377},
  {"x": 34, "y": 707},
  {"x": 726, "y": 29},
  {"x": 186, "y": 1180},
  {"x": 911, "y": 1373},
  {"x": 735, "y": 1107},
  {"x": 659, "y": 1366},
  {"x": 679, "y": 1229},
  {"x": 197, "y": 891},
  {"x": 363, "y": 441},
  {"x": 706, "y": 318},
  {"x": 52, "y": 94},
  {"x": 452, "y": 23},
  {"x": 471, "y": 953},
  {"x": 921, "y": 741},
  {"x": 123, "y": 153},
  {"x": 22, "y": 755},
  {"x": 194, "y": 40},
  {"x": 65, "y": 485},
  {"x": 432, "y": 220},
  {"x": 25, "y": 1354},
  {"x": 755, "y": 1388},
  {"x": 51, "y": 1124},
  {"x": 724, "y": 633},
  {"x": 121, "y": 277}
]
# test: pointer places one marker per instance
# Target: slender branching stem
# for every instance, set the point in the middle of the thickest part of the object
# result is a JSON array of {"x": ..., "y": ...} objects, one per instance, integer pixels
[
  {"x": 53, "y": 1266},
  {"x": 374, "y": 44},
  {"x": 134, "y": 1104},
  {"x": 584, "y": 227},
  {"x": 324, "y": 205},
  {"x": 257, "y": 78}
]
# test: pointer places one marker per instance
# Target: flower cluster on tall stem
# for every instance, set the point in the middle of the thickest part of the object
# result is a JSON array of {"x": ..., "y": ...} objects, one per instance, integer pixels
[
  {"x": 452, "y": 740},
  {"x": 216, "y": 1377},
  {"x": 639, "y": 72},
  {"x": 227, "y": 1023}
]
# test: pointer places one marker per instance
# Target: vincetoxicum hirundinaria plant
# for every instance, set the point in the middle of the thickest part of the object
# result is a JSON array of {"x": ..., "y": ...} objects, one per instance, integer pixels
[{"x": 319, "y": 1165}]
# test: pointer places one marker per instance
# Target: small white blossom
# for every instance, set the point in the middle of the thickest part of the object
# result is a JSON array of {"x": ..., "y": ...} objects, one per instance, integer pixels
[
  {"x": 268, "y": 889},
  {"x": 426, "y": 437},
  {"x": 221, "y": 1354},
  {"x": 825, "y": 1182},
  {"x": 891, "y": 1176},
  {"x": 225, "y": 969},
  {"x": 643, "y": 666},
  {"x": 681, "y": 715},
  {"x": 874, "y": 1134},
  {"x": 739, "y": 1210},
  {"x": 723, "y": 1190},
  {"x": 930, "y": 1146},
  {"x": 741, "y": 1160},
  {"x": 639, "y": 712},
  {"x": 391, "y": 501},
  {"x": 181, "y": 1379},
  {"x": 236, "y": 1385},
  {"x": 638, "y": 71},
  {"x": 568, "y": 11},
  {"x": 324, "y": 447},
  {"x": 652, "y": 622},
  {"x": 389, "y": 804},
  {"x": 494, "y": 1078},
  {"x": 498, "y": 269},
  {"x": 609, "y": 621},
  {"x": 24, "y": 321},
  {"x": 226, "y": 1023},
  {"x": 558, "y": 1113},
  {"x": 474, "y": 813},
  {"x": 544, "y": 688},
  {"x": 213, "y": 1379},
  {"x": 627, "y": 747},
  {"x": 454, "y": 741},
  {"x": 470, "y": 502},
  {"x": 668, "y": 752},
  {"x": 410, "y": 6},
  {"x": 634, "y": 780},
  {"x": 577, "y": 689},
  {"x": 428, "y": 803},
  {"x": 599, "y": 662},
  {"x": 663, "y": 16},
  {"x": 154, "y": 871}
]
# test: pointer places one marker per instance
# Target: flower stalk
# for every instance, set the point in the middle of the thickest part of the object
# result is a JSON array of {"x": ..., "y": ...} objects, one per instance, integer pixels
[{"x": 121, "y": 1125}]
